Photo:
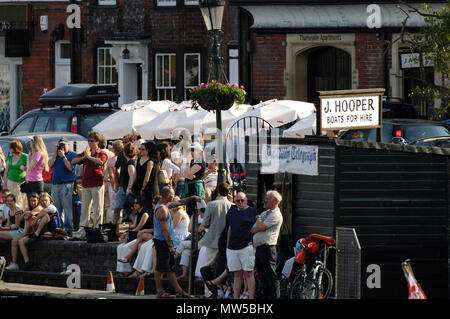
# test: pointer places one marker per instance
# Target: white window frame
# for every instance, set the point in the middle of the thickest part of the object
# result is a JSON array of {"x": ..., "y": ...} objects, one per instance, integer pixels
[
  {"x": 186, "y": 88},
  {"x": 233, "y": 65},
  {"x": 191, "y": 2},
  {"x": 167, "y": 3},
  {"x": 107, "y": 2},
  {"x": 104, "y": 67},
  {"x": 172, "y": 86}
]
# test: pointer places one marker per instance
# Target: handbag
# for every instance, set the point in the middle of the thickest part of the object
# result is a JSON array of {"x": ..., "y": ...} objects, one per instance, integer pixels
[
  {"x": 162, "y": 177},
  {"x": 95, "y": 235},
  {"x": 23, "y": 187}
]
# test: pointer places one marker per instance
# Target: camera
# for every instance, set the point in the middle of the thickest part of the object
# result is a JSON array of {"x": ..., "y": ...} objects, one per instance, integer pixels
[{"x": 61, "y": 146}]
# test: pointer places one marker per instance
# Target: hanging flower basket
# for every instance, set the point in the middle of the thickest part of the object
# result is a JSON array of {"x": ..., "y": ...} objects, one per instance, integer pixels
[{"x": 217, "y": 96}]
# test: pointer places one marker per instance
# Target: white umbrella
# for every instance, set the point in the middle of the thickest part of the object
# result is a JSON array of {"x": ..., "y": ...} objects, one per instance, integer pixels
[
  {"x": 162, "y": 126},
  {"x": 123, "y": 122},
  {"x": 305, "y": 126},
  {"x": 279, "y": 112},
  {"x": 209, "y": 123},
  {"x": 158, "y": 106}
]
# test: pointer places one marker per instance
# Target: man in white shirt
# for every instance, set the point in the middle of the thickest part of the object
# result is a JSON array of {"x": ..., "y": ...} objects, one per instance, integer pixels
[{"x": 265, "y": 237}]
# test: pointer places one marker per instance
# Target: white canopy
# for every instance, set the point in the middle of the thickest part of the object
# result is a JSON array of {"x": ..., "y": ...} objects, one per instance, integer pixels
[
  {"x": 279, "y": 112},
  {"x": 305, "y": 126},
  {"x": 123, "y": 122}
]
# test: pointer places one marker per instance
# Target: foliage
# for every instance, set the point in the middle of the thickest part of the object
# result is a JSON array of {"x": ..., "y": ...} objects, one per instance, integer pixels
[
  {"x": 432, "y": 42},
  {"x": 217, "y": 96}
]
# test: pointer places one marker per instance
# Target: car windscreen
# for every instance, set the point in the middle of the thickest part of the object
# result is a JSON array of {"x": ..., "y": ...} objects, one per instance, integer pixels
[
  {"x": 87, "y": 121},
  {"x": 369, "y": 135},
  {"x": 416, "y": 132}
]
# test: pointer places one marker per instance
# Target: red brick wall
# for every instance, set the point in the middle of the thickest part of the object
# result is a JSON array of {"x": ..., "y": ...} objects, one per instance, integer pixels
[
  {"x": 38, "y": 69},
  {"x": 369, "y": 61},
  {"x": 268, "y": 63}
]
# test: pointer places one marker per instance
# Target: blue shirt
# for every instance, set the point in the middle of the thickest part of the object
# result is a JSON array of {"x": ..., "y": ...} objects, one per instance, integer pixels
[
  {"x": 60, "y": 172},
  {"x": 241, "y": 222},
  {"x": 158, "y": 234}
]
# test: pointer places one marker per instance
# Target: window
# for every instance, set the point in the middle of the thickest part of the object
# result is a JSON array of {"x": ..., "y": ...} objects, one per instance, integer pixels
[
  {"x": 191, "y": 72},
  {"x": 166, "y": 3},
  {"x": 63, "y": 52},
  {"x": 42, "y": 124},
  {"x": 24, "y": 126},
  {"x": 106, "y": 71},
  {"x": 233, "y": 65},
  {"x": 191, "y": 2},
  {"x": 106, "y": 2},
  {"x": 165, "y": 76},
  {"x": 60, "y": 124}
]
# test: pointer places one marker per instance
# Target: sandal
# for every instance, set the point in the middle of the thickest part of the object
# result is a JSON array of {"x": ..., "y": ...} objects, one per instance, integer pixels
[
  {"x": 184, "y": 294},
  {"x": 164, "y": 295}
]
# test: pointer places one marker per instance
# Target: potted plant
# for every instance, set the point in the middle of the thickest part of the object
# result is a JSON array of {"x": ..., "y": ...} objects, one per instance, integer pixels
[{"x": 217, "y": 96}]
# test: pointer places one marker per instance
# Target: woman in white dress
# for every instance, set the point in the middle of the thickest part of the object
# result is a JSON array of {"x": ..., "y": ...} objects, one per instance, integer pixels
[{"x": 180, "y": 220}]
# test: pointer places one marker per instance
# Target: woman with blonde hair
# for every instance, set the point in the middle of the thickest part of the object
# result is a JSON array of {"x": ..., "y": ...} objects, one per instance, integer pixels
[
  {"x": 37, "y": 162},
  {"x": 15, "y": 172}
]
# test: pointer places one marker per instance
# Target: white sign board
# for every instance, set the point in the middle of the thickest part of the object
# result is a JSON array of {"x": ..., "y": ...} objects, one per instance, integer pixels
[
  {"x": 350, "y": 112},
  {"x": 411, "y": 60},
  {"x": 295, "y": 159}
]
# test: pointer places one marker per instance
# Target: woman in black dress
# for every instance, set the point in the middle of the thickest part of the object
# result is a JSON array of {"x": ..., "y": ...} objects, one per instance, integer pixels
[{"x": 145, "y": 174}]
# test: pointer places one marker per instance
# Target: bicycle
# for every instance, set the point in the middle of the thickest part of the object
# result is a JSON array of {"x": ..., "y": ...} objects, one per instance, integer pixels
[{"x": 311, "y": 278}]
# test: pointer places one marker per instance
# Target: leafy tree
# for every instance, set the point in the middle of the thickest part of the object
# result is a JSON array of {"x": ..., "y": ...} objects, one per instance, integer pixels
[{"x": 432, "y": 42}]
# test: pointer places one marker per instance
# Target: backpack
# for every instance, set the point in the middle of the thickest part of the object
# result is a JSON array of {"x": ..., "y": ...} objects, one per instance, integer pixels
[{"x": 55, "y": 220}]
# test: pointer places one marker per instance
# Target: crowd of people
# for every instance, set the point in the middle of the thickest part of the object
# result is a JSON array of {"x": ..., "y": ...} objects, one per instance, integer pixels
[{"x": 157, "y": 188}]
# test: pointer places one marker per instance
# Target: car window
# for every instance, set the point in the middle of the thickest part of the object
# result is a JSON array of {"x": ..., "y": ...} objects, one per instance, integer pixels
[
  {"x": 60, "y": 124},
  {"x": 42, "y": 124},
  {"x": 87, "y": 121},
  {"x": 24, "y": 126},
  {"x": 416, "y": 132}
]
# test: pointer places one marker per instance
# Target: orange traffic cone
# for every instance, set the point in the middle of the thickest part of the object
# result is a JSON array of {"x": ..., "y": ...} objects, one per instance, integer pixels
[
  {"x": 140, "y": 288},
  {"x": 110, "y": 283}
]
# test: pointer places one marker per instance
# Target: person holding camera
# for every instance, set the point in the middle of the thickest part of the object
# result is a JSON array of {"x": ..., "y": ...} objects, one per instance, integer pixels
[{"x": 63, "y": 178}]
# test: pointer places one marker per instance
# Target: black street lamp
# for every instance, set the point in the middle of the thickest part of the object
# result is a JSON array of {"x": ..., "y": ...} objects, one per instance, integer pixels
[{"x": 212, "y": 11}]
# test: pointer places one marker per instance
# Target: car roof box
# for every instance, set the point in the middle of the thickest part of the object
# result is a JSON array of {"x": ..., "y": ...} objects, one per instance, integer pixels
[{"x": 76, "y": 94}]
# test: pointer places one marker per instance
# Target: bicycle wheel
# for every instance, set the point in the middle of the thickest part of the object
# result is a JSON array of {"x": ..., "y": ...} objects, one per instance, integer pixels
[
  {"x": 304, "y": 289},
  {"x": 324, "y": 280}
]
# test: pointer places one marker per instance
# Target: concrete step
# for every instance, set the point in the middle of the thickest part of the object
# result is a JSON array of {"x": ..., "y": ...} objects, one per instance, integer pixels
[{"x": 122, "y": 285}]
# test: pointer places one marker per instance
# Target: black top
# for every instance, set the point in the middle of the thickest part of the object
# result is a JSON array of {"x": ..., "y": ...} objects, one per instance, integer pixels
[
  {"x": 124, "y": 176},
  {"x": 12, "y": 220},
  {"x": 199, "y": 175},
  {"x": 140, "y": 175},
  {"x": 148, "y": 224}
]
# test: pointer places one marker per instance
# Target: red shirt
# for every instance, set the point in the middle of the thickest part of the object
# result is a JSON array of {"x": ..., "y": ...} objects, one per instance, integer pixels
[{"x": 93, "y": 173}]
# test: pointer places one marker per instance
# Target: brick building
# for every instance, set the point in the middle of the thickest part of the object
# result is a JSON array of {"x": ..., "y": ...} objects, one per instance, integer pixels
[
  {"x": 294, "y": 48},
  {"x": 150, "y": 49}
]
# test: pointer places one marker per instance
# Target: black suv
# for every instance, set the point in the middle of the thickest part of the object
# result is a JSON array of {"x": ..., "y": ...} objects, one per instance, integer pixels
[{"x": 72, "y": 108}]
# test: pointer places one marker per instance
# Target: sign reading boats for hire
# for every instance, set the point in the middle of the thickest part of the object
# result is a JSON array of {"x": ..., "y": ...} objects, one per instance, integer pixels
[
  {"x": 350, "y": 109},
  {"x": 295, "y": 159}
]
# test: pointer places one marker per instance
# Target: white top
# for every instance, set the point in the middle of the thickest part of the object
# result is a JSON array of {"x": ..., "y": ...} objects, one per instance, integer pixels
[
  {"x": 169, "y": 167},
  {"x": 4, "y": 211}
]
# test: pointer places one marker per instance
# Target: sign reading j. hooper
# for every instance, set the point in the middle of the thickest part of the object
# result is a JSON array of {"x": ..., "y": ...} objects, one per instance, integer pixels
[
  {"x": 348, "y": 109},
  {"x": 349, "y": 112},
  {"x": 295, "y": 159}
]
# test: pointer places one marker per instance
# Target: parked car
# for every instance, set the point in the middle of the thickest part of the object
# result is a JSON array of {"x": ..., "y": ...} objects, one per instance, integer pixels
[
  {"x": 442, "y": 141},
  {"x": 410, "y": 129},
  {"x": 77, "y": 144},
  {"x": 72, "y": 108}
]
